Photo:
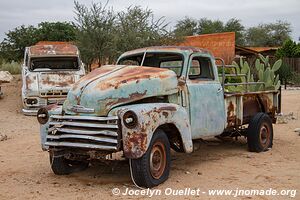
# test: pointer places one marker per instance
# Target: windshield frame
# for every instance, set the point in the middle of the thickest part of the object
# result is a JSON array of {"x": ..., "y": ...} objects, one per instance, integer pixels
[
  {"x": 144, "y": 54},
  {"x": 53, "y": 57}
]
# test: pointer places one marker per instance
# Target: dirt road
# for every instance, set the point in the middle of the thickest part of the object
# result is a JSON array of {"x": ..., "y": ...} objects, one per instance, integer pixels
[{"x": 25, "y": 172}]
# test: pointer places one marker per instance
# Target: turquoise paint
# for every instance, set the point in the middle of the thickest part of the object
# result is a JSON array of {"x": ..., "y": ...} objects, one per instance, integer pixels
[
  {"x": 207, "y": 111},
  {"x": 103, "y": 94}
]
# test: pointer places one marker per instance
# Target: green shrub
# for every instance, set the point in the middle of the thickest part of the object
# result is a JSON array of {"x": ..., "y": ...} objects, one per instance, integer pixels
[
  {"x": 13, "y": 67},
  {"x": 295, "y": 79}
]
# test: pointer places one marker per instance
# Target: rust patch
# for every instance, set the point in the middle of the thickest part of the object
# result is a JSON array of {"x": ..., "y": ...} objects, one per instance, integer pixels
[
  {"x": 231, "y": 118},
  {"x": 28, "y": 82},
  {"x": 169, "y": 108},
  {"x": 267, "y": 103},
  {"x": 44, "y": 49},
  {"x": 63, "y": 80},
  {"x": 135, "y": 74},
  {"x": 165, "y": 114},
  {"x": 51, "y": 106},
  {"x": 250, "y": 107},
  {"x": 94, "y": 74},
  {"x": 268, "y": 106},
  {"x": 136, "y": 144},
  {"x": 181, "y": 83},
  {"x": 132, "y": 97}
]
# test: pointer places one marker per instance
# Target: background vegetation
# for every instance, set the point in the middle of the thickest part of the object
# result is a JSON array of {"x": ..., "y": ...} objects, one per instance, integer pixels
[
  {"x": 288, "y": 52},
  {"x": 103, "y": 34}
]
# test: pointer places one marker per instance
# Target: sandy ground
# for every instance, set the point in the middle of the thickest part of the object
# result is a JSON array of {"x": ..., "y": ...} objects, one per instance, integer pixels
[{"x": 25, "y": 172}]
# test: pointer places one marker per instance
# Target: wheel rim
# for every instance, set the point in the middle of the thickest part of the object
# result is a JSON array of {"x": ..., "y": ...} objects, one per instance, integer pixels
[
  {"x": 264, "y": 135},
  {"x": 157, "y": 160}
]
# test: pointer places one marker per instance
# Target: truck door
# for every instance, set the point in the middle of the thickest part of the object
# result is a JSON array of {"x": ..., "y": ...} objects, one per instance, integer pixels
[{"x": 206, "y": 98}]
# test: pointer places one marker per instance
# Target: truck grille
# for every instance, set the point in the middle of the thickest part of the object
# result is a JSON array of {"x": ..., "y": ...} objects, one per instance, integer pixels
[
  {"x": 54, "y": 94},
  {"x": 83, "y": 132},
  {"x": 59, "y": 101}
]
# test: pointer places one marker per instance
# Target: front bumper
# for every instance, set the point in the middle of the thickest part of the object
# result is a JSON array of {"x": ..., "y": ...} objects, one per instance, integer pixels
[
  {"x": 30, "y": 112},
  {"x": 85, "y": 132}
]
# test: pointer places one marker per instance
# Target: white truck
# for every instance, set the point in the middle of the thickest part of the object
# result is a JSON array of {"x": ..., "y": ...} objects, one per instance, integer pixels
[{"x": 48, "y": 72}]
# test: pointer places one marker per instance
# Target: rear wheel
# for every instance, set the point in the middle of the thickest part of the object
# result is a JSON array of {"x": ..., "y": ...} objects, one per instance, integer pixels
[
  {"x": 260, "y": 133},
  {"x": 62, "y": 166},
  {"x": 154, "y": 166}
]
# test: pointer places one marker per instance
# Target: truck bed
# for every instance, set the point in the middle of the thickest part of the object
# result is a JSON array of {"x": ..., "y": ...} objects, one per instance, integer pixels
[{"x": 242, "y": 106}]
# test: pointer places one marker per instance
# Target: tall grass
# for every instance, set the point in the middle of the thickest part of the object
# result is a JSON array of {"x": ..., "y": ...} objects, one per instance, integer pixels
[{"x": 13, "y": 67}]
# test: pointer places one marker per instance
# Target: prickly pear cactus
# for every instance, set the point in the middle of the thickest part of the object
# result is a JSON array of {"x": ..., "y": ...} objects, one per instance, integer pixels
[
  {"x": 266, "y": 74},
  {"x": 242, "y": 68}
]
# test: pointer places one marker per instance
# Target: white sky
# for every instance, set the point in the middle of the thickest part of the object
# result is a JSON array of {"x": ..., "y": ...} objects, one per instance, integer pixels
[{"x": 30, "y": 12}]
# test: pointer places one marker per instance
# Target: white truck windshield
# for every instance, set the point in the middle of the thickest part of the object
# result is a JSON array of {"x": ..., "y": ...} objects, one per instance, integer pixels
[{"x": 54, "y": 63}]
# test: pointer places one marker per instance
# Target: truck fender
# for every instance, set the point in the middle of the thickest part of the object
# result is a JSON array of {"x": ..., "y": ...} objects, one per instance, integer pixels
[{"x": 149, "y": 117}]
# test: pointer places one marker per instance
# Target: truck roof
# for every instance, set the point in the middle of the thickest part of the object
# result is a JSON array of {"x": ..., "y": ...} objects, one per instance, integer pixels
[
  {"x": 166, "y": 48},
  {"x": 46, "y": 48}
]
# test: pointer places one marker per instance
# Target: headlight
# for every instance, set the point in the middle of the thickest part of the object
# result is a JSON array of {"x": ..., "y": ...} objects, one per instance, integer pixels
[
  {"x": 130, "y": 119},
  {"x": 42, "y": 115},
  {"x": 31, "y": 101}
]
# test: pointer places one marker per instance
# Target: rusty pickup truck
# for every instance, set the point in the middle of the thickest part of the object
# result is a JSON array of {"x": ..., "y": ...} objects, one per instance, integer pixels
[
  {"x": 48, "y": 72},
  {"x": 155, "y": 99}
]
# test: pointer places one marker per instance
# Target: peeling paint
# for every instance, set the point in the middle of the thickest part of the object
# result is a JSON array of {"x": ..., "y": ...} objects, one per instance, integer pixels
[{"x": 45, "y": 49}]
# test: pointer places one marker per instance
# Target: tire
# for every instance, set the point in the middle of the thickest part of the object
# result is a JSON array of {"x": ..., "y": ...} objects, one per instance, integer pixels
[
  {"x": 62, "y": 166},
  {"x": 153, "y": 167},
  {"x": 260, "y": 133}
]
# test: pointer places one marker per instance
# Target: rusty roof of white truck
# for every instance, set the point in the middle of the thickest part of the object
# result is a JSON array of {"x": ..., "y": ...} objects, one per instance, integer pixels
[{"x": 53, "y": 49}]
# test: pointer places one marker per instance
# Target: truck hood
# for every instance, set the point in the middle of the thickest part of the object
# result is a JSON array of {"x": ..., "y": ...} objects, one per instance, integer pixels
[{"x": 114, "y": 85}]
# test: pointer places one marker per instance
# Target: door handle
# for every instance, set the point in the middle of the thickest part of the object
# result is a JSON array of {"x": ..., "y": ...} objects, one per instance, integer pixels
[{"x": 219, "y": 90}]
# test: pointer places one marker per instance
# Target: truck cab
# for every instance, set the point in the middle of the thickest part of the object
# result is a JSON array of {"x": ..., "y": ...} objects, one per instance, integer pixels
[
  {"x": 152, "y": 100},
  {"x": 49, "y": 70}
]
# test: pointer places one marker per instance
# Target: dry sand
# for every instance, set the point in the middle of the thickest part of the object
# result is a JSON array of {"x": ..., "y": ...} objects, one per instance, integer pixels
[{"x": 25, "y": 172}]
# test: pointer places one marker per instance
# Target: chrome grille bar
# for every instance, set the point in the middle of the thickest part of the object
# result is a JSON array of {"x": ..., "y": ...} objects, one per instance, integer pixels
[
  {"x": 81, "y": 124},
  {"x": 85, "y": 132},
  {"x": 81, "y": 145}
]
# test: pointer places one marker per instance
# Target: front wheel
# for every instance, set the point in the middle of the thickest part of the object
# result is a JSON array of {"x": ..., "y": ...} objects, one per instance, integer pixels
[
  {"x": 62, "y": 166},
  {"x": 153, "y": 167},
  {"x": 260, "y": 133}
]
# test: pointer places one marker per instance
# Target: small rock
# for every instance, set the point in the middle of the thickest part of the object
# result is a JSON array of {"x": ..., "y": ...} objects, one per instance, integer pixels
[
  {"x": 281, "y": 120},
  {"x": 5, "y": 77},
  {"x": 199, "y": 173},
  {"x": 297, "y": 130},
  {"x": 248, "y": 156},
  {"x": 3, "y": 137},
  {"x": 187, "y": 172}
]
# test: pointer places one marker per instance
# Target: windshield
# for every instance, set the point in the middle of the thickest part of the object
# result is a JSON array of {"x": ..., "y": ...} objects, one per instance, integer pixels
[
  {"x": 54, "y": 63},
  {"x": 172, "y": 61}
]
